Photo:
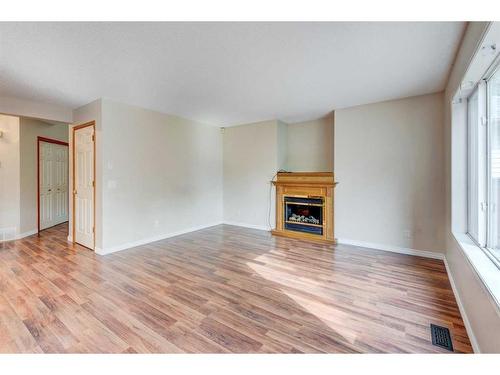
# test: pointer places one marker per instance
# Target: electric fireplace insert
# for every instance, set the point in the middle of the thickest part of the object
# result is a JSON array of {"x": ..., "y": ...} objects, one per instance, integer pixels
[{"x": 303, "y": 214}]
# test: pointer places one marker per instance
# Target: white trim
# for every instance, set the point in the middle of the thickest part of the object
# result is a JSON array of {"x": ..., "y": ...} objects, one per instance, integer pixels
[
  {"x": 70, "y": 238},
  {"x": 468, "y": 327},
  {"x": 144, "y": 241},
  {"x": 244, "y": 225},
  {"x": 393, "y": 249}
]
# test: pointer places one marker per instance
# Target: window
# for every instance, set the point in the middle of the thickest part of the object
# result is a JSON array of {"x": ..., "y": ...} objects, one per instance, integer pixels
[
  {"x": 477, "y": 168},
  {"x": 483, "y": 127},
  {"x": 493, "y": 243}
]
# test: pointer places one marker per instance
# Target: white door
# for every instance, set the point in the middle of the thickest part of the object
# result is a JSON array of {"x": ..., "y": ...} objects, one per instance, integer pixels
[
  {"x": 53, "y": 184},
  {"x": 84, "y": 186},
  {"x": 60, "y": 184}
]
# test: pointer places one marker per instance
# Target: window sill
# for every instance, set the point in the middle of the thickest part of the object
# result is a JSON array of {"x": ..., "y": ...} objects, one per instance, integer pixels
[{"x": 485, "y": 269}]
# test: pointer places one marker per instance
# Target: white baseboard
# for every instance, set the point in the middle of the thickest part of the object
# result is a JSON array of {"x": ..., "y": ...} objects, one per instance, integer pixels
[
  {"x": 393, "y": 249},
  {"x": 21, "y": 235},
  {"x": 244, "y": 225},
  {"x": 468, "y": 327},
  {"x": 144, "y": 241},
  {"x": 27, "y": 234},
  {"x": 70, "y": 239}
]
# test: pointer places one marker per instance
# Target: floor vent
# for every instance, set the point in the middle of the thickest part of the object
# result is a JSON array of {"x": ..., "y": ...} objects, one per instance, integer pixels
[{"x": 441, "y": 337}]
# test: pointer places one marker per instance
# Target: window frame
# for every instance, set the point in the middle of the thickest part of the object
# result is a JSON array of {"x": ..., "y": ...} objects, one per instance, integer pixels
[
  {"x": 482, "y": 194},
  {"x": 489, "y": 252},
  {"x": 484, "y": 111}
]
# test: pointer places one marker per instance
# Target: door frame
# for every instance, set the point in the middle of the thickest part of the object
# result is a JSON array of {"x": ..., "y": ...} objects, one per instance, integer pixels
[
  {"x": 46, "y": 140},
  {"x": 73, "y": 147}
]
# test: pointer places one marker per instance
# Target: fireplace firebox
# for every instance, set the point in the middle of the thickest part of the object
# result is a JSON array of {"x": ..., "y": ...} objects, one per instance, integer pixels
[{"x": 303, "y": 214}]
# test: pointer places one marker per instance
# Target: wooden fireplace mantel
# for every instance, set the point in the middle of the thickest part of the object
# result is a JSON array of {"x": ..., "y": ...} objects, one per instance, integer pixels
[{"x": 305, "y": 185}]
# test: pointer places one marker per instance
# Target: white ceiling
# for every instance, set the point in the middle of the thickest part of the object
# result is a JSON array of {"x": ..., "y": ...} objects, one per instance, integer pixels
[{"x": 227, "y": 73}]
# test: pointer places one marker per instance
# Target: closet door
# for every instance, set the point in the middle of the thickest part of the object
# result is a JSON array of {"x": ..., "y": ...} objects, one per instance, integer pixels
[
  {"x": 53, "y": 180},
  {"x": 46, "y": 188},
  {"x": 60, "y": 183}
]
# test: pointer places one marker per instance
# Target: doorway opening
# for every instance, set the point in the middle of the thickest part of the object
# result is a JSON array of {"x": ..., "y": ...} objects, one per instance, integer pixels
[
  {"x": 26, "y": 206},
  {"x": 52, "y": 177}
]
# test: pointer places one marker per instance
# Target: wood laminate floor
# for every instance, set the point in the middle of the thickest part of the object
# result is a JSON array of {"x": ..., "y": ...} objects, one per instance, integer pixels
[{"x": 222, "y": 289}]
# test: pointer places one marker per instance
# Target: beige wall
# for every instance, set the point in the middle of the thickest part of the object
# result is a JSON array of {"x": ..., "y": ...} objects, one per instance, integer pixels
[
  {"x": 30, "y": 129},
  {"x": 32, "y": 109},
  {"x": 480, "y": 309},
  {"x": 282, "y": 140},
  {"x": 310, "y": 146},
  {"x": 9, "y": 178},
  {"x": 389, "y": 164},
  {"x": 162, "y": 175},
  {"x": 252, "y": 154}
]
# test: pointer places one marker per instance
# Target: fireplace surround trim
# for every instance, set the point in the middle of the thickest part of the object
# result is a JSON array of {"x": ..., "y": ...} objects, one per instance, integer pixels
[{"x": 305, "y": 185}]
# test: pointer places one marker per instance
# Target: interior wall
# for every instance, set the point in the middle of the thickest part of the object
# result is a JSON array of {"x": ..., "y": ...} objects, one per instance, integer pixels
[
  {"x": 282, "y": 139},
  {"x": 389, "y": 162},
  {"x": 480, "y": 309},
  {"x": 162, "y": 175},
  {"x": 30, "y": 129},
  {"x": 29, "y": 108},
  {"x": 9, "y": 178},
  {"x": 252, "y": 156},
  {"x": 310, "y": 145}
]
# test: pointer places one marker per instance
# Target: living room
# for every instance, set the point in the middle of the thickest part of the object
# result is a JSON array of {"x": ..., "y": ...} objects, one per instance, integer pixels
[{"x": 249, "y": 187}]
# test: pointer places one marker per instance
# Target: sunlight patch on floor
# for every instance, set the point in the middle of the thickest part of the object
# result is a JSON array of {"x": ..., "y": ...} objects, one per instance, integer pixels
[{"x": 333, "y": 318}]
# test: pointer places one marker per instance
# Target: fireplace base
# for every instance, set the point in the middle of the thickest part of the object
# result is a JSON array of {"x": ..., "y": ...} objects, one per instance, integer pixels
[
  {"x": 304, "y": 206},
  {"x": 303, "y": 236}
]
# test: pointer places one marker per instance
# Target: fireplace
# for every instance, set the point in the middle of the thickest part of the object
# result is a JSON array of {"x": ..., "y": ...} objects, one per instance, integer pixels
[
  {"x": 304, "y": 205},
  {"x": 303, "y": 214}
]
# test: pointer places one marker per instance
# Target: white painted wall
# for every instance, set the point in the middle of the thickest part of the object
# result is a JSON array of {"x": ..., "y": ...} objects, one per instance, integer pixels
[
  {"x": 33, "y": 109},
  {"x": 253, "y": 153},
  {"x": 9, "y": 178},
  {"x": 310, "y": 145},
  {"x": 252, "y": 156},
  {"x": 282, "y": 147},
  {"x": 30, "y": 129},
  {"x": 390, "y": 168},
  {"x": 481, "y": 312},
  {"x": 162, "y": 175}
]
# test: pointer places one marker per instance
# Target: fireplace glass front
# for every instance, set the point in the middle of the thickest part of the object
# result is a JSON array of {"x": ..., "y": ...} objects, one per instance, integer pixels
[{"x": 304, "y": 214}]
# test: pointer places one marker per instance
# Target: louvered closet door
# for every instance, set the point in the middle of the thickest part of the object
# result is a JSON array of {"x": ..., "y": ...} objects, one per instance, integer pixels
[
  {"x": 53, "y": 184},
  {"x": 84, "y": 186}
]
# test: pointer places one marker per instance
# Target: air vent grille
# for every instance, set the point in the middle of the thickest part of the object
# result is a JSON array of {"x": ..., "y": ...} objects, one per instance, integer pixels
[{"x": 441, "y": 337}]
